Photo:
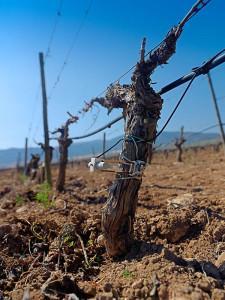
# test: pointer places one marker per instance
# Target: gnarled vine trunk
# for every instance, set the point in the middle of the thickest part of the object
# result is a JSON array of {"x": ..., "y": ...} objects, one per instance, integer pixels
[
  {"x": 118, "y": 215},
  {"x": 64, "y": 143},
  {"x": 179, "y": 144},
  {"x": 63, "y": 160},
  {"x": 141, "y": 106}
]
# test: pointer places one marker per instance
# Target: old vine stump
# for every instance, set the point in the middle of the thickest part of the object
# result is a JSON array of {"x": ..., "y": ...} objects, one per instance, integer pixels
[{"x": 141, "y": 108}]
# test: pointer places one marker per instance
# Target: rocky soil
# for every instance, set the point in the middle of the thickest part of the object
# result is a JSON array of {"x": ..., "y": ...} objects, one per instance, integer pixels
[{"x": 54, "y": 249}]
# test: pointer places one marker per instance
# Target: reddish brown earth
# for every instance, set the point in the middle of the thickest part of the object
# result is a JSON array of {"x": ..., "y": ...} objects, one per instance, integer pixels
[{"x": 179, "y": 253}]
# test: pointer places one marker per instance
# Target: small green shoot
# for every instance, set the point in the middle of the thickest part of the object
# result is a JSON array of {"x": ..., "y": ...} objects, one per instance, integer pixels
[
  {"x": 71, "y": 244},
  {"x": 44, "y": 194},
  {"x": 68, "y": 241},
  {"x": 127, "y": 274},
  {"x": 19, "y": 200},
  {"x": 90, "y": 243}
]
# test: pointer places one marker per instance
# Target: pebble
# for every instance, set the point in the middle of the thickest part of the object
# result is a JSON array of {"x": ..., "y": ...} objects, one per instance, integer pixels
[
  {"x": 21, "y": 209},
  {"x": 204, "y": 285},
  {"x": 138, "y": 284},
  {"x": 104, "y": 296},
  {"x": 185, "y": 200},
  {"x": 101, "y": 240}
]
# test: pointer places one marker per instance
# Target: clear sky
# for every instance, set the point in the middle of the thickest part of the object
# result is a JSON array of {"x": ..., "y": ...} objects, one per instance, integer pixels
[{"x": 106, "y": 45}]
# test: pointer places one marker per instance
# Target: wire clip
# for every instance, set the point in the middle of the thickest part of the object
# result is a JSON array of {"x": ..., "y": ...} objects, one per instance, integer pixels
[{"x": 137, "y": 168}]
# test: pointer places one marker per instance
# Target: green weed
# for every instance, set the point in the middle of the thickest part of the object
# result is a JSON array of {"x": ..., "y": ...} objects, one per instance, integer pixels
[
  {"x": 44, "y": 194},
  {"x": 68, "y": 240},
  {"x": 127, "y": 274},
  {"x": 90, "y": 243}
]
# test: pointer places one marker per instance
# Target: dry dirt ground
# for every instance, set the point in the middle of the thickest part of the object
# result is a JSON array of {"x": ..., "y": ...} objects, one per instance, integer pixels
[{"x": 54, "y": 250}]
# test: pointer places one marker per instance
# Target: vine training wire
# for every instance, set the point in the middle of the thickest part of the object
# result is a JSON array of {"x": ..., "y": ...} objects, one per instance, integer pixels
[
  {"x": 69, "y": 51},
  {"x": 134, "y": 139},
  {"x": 47, "y": 55}
]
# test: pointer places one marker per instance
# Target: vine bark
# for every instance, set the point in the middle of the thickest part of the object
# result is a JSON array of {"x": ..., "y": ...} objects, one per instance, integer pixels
[
  {"x": 179, "y": 143},
  {"x": 141, "y": 108},
  {"x": 64, "y": 143}
]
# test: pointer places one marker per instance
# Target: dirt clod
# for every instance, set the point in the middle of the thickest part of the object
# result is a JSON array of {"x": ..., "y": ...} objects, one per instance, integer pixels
[
  {"x": 219, "y": 232},
  {"x": 107, "y": 287}
]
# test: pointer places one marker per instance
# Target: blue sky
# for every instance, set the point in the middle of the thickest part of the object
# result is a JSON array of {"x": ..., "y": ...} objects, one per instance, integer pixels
[{"x": 106, "y": 46}]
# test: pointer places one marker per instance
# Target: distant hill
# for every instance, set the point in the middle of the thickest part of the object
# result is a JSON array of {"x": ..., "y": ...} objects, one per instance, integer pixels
[{"x": 8, "y": 157}]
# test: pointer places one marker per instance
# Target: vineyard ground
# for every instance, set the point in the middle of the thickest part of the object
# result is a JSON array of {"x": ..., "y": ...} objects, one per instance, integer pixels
[{"x": 51, "y": 250}]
